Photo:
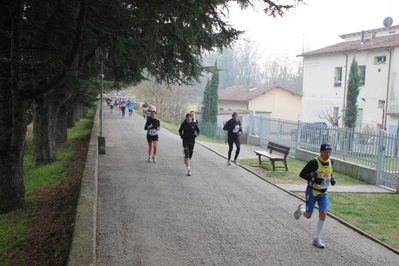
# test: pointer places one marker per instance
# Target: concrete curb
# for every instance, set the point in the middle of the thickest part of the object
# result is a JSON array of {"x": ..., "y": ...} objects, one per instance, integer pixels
[{"x": 83, "y": 246}]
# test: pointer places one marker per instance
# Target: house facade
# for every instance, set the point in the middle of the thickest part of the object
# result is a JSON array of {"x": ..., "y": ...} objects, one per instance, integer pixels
[
  {"x": 273, "y": 99},
  {"x": 326, "y": 77}
]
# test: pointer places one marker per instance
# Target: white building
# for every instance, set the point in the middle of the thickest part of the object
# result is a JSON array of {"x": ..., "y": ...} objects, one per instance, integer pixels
[{"x": 326, "y": 74}]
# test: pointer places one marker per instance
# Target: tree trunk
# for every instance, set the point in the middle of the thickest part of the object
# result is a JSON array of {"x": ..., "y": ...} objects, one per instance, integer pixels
[
  {"x": 61, "y": 134},
  {"x": 77, "y": 113},
  {"x": 12, "y": 145},
  {"x": 12, "y": 114},
  {"x": 45, "y": 113},
  {"x": 71, "y": 117}
]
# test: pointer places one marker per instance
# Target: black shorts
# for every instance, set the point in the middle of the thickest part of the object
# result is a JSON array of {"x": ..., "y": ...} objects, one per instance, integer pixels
[{"x": 152, "y": 138}]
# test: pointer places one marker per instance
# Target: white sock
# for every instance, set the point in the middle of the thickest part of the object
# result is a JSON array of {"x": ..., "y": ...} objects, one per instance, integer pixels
[
  {"x": 188, "y": 168},
  {"x": 320, "y": 226},
  {"x": 302, "y": 210}
]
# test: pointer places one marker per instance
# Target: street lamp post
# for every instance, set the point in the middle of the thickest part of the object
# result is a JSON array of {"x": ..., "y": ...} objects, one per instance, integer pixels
[{"x": 102, "y": 54}]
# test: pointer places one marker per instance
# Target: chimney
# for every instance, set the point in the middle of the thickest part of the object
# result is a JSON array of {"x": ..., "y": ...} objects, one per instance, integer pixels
[{"x": 373, "y": 38}]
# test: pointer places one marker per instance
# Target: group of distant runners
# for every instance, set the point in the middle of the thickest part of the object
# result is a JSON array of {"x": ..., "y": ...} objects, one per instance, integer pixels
[{"x": 120, "y": 104}]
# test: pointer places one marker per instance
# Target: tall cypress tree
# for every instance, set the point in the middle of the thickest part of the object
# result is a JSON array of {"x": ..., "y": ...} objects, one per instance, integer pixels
[
  {"x": 206, "y": 102},
  {"x": 214, "y": 97},
  {"x": 352, "y": 94},
  {"x": 210, "y": 98}
]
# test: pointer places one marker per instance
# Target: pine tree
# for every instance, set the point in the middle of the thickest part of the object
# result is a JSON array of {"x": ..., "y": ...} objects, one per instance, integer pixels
[
  {"x": 352, "y": 94},
  {"x": 206, "y": 102},
  {"x": 214, "y": 97},
  {"x": 210, "y": 98}
]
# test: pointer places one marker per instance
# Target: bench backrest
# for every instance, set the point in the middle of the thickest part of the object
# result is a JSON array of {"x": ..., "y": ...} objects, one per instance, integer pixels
[{"x": 278, "y": 148}]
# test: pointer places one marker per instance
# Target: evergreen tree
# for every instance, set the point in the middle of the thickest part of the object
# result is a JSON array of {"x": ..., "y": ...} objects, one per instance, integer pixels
[
  {"x": 210, "y": 98},
  {"x": 206, "y": 102},
  {"x": 214, "y": 97},
  {"x": 352, "y": 94}
]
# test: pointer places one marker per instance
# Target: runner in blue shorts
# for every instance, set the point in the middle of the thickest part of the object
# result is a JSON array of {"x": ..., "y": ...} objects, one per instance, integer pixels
[{"x": 318, "y": 173}]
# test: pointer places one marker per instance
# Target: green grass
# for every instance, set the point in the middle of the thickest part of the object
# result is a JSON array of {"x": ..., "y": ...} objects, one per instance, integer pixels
[
  {"x": 375, "y": 214},
  {"x": 11, "y": 234},
  {"x": 12, "y": 225}
]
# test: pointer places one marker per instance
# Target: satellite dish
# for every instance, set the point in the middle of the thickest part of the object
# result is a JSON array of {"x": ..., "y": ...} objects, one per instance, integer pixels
[{"x": 388, "y": 22}]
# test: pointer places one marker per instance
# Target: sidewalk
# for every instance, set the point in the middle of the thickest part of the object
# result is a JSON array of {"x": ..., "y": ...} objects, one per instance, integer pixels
[{"x": 247, "y": 152}]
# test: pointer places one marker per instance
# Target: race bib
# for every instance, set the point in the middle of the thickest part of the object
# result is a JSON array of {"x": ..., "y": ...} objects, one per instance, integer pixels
[
  {"x": 236, "y": 129},
  {"x": 152, "y": 132},
  {"x": 326, "y": 181}
]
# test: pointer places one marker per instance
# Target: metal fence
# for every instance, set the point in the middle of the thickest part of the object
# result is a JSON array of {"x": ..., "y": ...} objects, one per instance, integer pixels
[
  {"x": 213, "y": 131},
  {"x": 377, "y": 150}
]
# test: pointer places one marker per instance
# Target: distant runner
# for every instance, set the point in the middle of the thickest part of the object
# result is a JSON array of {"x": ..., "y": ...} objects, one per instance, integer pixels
[{"x": 152, "y": 126}]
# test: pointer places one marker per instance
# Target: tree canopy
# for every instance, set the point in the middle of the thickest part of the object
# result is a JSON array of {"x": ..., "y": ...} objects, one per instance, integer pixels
[{"x": 47, "y": 51}]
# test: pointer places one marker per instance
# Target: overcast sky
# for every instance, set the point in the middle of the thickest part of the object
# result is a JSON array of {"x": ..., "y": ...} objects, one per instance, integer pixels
[{"x": 317, "y": 24}]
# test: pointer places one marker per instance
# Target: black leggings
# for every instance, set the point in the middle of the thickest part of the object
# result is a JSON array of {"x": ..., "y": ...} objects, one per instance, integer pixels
[
  {"x": 232, "y": 140},
  {"x": 188, "y": 148}
]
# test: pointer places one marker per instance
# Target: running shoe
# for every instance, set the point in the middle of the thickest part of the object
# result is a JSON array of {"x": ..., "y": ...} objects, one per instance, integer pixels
[
  {"x": 188, "y": 172},
  {"x": 235, "y": 162},
  {"x": 317, "y": 243},
  {"x": 228, "y": 162},
  {"x": 149, "y": 159},
  {"x": 297, "y": 213},
  {"x": 154, "y": 159}
]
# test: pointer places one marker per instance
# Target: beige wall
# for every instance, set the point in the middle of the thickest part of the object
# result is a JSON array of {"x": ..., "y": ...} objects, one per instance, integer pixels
[
  {"x": 232, "y": 105},
  {"x": 281, "y": 103}
]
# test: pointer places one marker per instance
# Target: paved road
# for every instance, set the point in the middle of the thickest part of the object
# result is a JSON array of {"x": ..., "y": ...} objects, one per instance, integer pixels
[{"x": 152, "y": 214}]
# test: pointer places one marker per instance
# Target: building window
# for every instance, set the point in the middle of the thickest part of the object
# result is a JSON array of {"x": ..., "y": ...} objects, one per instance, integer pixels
[
  {"x": 378, "y": 60},
  {"x": 381, "y": 103},
  {"x": 362, "y": 73},
  {"x": 338, "y": 77}
]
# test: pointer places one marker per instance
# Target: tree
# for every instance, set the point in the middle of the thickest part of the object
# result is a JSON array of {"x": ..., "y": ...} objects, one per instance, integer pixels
[
  {"x": 44, "y": 44},
  {"x": 171, "y": 101},
  {"x": 210, "y": 98},
  {"x": 206, "y": 101},
  {"x": 214, "y": 99},
  {"x": 330, "y": 114},
  {"x": 350, "y": 114}
]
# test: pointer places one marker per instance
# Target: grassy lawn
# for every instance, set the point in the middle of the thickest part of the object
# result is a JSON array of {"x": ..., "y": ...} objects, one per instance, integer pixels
[{"x": 42, "y": 230}]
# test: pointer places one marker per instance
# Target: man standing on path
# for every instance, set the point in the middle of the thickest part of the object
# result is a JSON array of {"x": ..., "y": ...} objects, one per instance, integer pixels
[
  {"x": 145, "y": 107},
  {"x": 318, "y": 173},
  {"x": 188, "y": 131},
  {"x": 152, "y": 126},
  {"x": 149, "y": 111},
  {"x": 234, "y": 131},
  {"x": 193, "y": 115}
]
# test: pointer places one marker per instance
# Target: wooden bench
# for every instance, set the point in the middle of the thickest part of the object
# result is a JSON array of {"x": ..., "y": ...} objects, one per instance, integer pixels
[{"x": 273, "y": 157}]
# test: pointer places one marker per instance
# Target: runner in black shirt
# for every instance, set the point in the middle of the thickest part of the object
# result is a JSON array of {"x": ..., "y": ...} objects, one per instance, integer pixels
[
  {"x": 188, "y": 131},
  {"x": 234, "y": 131}
]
